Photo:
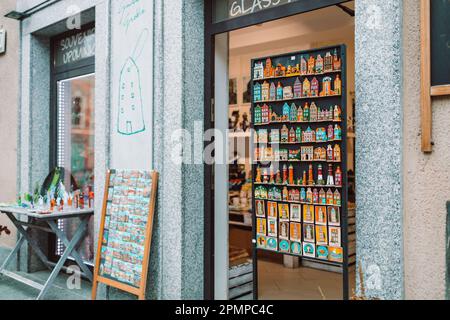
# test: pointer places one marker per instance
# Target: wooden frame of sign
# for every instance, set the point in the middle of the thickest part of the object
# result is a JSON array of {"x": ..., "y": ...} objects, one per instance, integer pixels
[
  {"x": 427, "y": 89},
  {"x": 139, "y": 290}
]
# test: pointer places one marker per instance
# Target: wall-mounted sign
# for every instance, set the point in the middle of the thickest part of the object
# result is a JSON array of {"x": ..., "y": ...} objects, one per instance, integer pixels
[
  {"x": 229, "y": 9},
  {"x": 75, "y": 47},
  {"x": 2, "y": 41}
]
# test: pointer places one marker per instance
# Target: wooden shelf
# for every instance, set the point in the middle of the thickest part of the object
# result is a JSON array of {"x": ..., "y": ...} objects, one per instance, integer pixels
[
  {"x": 299, "y": 202},
  {"x": 301, "y": 98},
  {"x": 298, "y": 75},
  {"x": 293, "y": 185}
]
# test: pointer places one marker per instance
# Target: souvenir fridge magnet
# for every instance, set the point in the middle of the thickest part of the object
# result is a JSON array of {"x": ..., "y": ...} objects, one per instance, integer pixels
[
  {"x": 328, "y": 62},
  {"x": 284, "y": 246},
  {"x": 279, "y": 91},
  {"x": 303, "y": 66},
  {"x": 287, "y": 93},
  {"x": 311, "y": 64},
  {"x": 309, "y": 250},
  {"x": 265, "y": 114},
  {"x": 313, "y": 112},
  {"x": 308, "y": 233},
  {"x": 296, "y": 248},
  {"x": 314, "y": 87},
  {"x": 272, "y": 209},
  {"x": 260, "y": 212},
  {"x": 272, "y": 92},
  {"x": 336, "y": 255},
  {"x": 295, "y": 232},
  {"x": 293, "y": 113},
  {"x": 268, "y": 70},
  {"x": 319, "y": 64},
  {"x": 257, "y": 92},
  {"x": 335, "y": 236},
  {"x": 337, "y": 86},
  {"x": 258, "y": 115},
  {"x": 322, "y": 252},
  {"x": 306, "y": 89},
  {"x": 297, "y": 88},
  {"x": 261, "y": 227},
  {"x": 272, "y": 228},
  {"x": 321, "y": 215},
  {"x": 296, "y": 212},
  {"x": 265, "y": 88},
  {"x": 326, "y": 87},
  {"x": 261, "y": 242},
  {"x": 337, "y": 62},
  {"x": 284, "y": 230},
  {"x": 272, "y": 244},
  {"x": 283, "y": 210},
  {"x": 322, "y": 235},
  {"x": 334, "y": 218}
]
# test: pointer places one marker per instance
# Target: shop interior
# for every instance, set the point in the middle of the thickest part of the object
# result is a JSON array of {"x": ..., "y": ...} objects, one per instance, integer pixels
[{"x": 281, "y": 276}]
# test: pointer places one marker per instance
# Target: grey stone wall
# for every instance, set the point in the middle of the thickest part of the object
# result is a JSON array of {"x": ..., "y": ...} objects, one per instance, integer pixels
[{"x": 379, "y": 157}]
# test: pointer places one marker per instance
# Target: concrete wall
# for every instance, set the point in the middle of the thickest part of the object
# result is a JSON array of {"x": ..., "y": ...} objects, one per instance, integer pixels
[
  {"x": 9, "y": 95},
  {"x": 426, "y": 177}
]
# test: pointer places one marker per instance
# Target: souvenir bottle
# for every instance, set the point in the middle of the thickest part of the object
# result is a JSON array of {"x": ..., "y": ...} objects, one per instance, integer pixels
[
  {"x": 258, "y": 175},
  {"x": 337, "y": 86},
  {"x": 337, "y": 113},
  {"x": 303, "y": 195},
  {"x": 304, "y": 181},
  {"x": 285, "y": 194},
  {"x": 330, "y": 154},
  {"x": 330, "y": 132},
  {"x": 291, "y": 175},
  {"x": 337, "y": 132},
  {"x": 271, "y": 194},
  {"x": 310, "y": 175},
  {"x": 320, "y": 180},
  {"x": 278, "y": 179},
  {"x": 338, "y": 176},
  {"x": 336, "y": 61},
  {"x": 315, "y": 196},
  {"x": 285, "y": 174},
  {"x": 309, "y": 196},
  {"x": 330, "y": 178}
]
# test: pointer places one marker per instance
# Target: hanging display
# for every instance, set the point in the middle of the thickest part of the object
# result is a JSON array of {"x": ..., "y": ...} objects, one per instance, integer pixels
[{"x": 300, "y": 179}]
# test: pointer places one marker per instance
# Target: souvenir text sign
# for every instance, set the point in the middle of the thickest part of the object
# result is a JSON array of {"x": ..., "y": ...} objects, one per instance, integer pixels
[
  {"x": 125, "y": 231},
  {"x": 75, "y": 47}
]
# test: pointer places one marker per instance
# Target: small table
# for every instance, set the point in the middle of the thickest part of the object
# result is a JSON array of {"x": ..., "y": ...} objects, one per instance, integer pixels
[{"x": 35, "y": 222}]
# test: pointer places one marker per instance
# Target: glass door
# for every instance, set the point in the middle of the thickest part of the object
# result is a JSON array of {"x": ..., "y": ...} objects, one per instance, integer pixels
[{"x": 75, "y": 145}]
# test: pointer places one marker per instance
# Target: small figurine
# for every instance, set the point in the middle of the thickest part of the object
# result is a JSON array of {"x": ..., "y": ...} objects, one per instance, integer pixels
[
  {"x": 309, "y": 135},
  {"x": 326, "y": 87},
  {"x": 258, "y": 71},
  {"x": 328, "y": 62},
  {"x": 279, "y": 91},
  {"x": 285, "y": 194},
  {"x": 286, "y": 113},
  {"x": 337, "y": 198},
  {"x": 303, "y": 195},
  {"x": 292, "y": 136},
  {"x": 321, "y": 135},
  {"x": 265, "y": 114},
  {"x": 330, "y": 153},
  {"x": 265, "y": 88},
  {"x": 284, "y": 134},
  {"x": 278, "y": 179},
  {"x": 304, "y": 180},
  {"x": 306, "y": 88},
  {"x": 320, "y": 154},
  {"x": 303, "y": 66},
  {"x": 285, "y": 174},
  {"x": 309, "y": 196},
  {"x": 314, "y": 87},
  {"x": 297, "y": 88},
  {"x": 287, "y": 93},
  {"x": 307, "y": 153},
  {"x": 280, "y": 70},
  {"x": 272, "y": 92},
  {"x": 293, "y": 113},
  {"x": 315, "y": 196},
  {"x": 330, "y": 197},
  {"x": 268, "y": 71},
  {"x": 319, "y": 64},
  {"x": 257, "y": 92},
  {"x": 336, "y": 61},
  {"x": 258, "y": 115},
  {"x": 313, "y": 113},
  {"x": 306, "y": 113},
  {"x": 298, "y": 134},
  {"x": 338, "y": 177},
  {"x": 311, "y": 64},
  {"x": 258, "y": 175},
  {"x": 300, "y": 114},
  {"x": 337, "y": 153}
]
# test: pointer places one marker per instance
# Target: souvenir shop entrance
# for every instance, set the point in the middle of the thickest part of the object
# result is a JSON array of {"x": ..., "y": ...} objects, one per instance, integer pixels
[{"x": 280, "y": 203}]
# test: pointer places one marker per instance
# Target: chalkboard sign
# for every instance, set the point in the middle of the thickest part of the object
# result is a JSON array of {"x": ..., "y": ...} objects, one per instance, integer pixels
[
  {"x": 440, "y": 42},
  {"x": 125, "y": 231}
]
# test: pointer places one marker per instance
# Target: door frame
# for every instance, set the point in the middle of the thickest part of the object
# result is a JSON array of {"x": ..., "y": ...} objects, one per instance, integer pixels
[{"x": 212, "y": 29}]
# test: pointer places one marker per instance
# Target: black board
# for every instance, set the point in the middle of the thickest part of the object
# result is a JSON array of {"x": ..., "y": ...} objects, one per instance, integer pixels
[{"x": 440, "y": 42}]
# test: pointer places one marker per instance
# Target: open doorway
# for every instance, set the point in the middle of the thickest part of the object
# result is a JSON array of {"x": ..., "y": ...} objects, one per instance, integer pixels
[{"x": 265, "y": 274}]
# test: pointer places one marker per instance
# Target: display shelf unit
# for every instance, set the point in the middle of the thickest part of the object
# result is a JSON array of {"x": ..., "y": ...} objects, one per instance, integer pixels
[{"x": 325, "y": 254}]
